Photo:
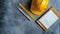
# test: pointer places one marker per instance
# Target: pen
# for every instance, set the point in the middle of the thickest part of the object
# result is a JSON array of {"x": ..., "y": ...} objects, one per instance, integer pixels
[
  {"x": 26, "y": 10},
  {"x": 24, "y": 13}
]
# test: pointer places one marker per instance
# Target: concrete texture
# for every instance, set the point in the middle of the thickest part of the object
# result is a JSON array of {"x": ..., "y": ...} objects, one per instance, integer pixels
[{"x": 14, "y": 22}]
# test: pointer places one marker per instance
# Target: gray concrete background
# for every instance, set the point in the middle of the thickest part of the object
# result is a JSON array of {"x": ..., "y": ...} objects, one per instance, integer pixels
[{"x": 14, "y": 22}]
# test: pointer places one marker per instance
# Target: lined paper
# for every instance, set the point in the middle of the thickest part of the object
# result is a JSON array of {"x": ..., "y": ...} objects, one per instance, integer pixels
[{"x": 48, "y": 19}]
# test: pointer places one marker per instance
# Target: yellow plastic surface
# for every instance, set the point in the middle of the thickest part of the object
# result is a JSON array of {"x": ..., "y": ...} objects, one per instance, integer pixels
[{"x": 38, "y": 6}]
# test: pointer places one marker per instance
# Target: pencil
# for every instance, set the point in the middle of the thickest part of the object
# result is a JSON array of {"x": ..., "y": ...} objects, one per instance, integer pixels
[{"x": 26, "y": 10}]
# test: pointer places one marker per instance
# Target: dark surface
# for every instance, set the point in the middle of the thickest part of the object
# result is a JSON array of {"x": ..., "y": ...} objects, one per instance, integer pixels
[{"x": 13, "y": 22}]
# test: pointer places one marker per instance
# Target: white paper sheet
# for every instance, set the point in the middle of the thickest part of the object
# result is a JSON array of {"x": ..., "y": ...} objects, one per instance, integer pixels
[{"x": 48, "y": 19}]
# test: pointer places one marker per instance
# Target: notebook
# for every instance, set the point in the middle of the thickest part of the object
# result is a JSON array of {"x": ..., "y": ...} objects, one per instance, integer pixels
[{"x": 46, "y": 20}]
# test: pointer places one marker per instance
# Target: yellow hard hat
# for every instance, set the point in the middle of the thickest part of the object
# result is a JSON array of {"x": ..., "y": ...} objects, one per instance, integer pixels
[{"x": 38, "y": 6}]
